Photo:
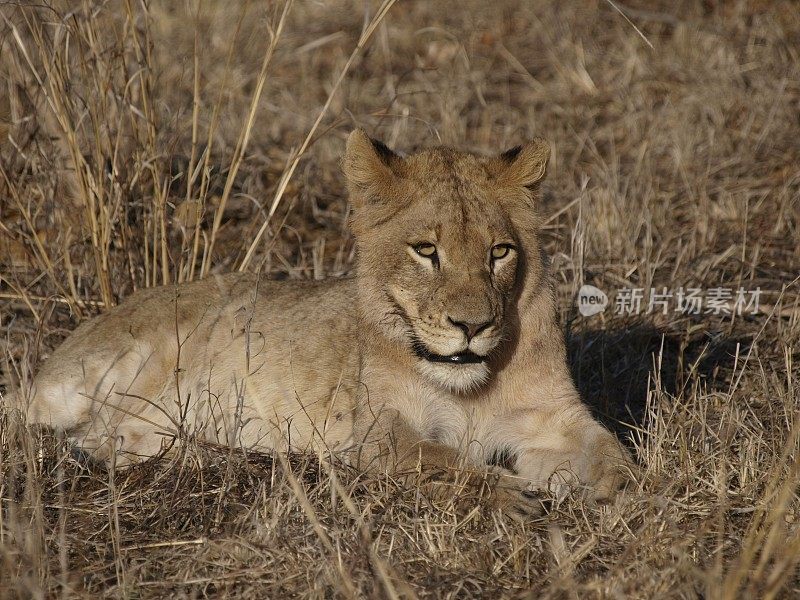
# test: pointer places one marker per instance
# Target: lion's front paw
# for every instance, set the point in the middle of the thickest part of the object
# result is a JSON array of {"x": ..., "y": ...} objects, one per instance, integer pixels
[
  {"x": 610, "y": 468},
  {"x": 513, "y": 495},
  {"x": 596, "y": 473}
]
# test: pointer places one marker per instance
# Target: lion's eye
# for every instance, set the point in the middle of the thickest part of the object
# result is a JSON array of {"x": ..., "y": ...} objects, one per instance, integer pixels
[
  {"x": 500, "y": 251},
  {"x": 426, "y": 250}
]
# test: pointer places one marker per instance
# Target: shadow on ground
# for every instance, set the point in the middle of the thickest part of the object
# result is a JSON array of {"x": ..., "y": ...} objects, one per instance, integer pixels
[{"x": 614, "y": 368}]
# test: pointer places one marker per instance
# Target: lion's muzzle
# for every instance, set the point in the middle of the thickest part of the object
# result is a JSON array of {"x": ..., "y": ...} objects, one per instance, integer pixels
[{"x": 460, "y": 358}]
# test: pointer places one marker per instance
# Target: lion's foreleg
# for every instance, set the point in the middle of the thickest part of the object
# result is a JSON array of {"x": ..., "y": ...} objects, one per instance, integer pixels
[{"x": 566, "y": 449}]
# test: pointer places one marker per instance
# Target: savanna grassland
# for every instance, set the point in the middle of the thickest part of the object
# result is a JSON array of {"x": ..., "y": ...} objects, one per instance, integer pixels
[{"x": 149, "y": 142}]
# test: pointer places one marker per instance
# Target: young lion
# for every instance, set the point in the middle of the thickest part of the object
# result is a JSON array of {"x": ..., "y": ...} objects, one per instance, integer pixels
[{"x": 443, "y": 350}]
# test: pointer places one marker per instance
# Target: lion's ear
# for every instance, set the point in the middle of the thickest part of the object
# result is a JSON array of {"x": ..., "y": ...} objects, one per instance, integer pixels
[
  {"x": 369, "y": 166},
  {"x": 526, "y": 165}
]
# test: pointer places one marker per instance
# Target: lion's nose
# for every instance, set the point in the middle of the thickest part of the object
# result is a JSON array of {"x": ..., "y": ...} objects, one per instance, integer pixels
[{"x": 470, "y": 329}]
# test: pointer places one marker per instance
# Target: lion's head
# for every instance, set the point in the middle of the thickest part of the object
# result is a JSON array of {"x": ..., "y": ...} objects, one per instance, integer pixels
[{"x": 446, "y": 242}]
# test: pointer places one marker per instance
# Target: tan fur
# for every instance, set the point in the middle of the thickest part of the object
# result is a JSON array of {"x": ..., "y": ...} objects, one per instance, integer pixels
[{"x": 332, "y": 365}]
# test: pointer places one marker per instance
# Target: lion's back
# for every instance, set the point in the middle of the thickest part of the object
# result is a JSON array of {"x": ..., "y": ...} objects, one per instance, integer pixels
[{"x": 119, "y": 371}]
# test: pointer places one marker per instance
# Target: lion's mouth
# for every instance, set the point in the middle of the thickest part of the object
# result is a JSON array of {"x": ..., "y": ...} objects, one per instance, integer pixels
[{"x": 460, "y": 358}]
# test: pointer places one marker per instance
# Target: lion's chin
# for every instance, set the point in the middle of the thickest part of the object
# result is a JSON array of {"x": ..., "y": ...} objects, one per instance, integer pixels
[{"x": 457, "y": 378}]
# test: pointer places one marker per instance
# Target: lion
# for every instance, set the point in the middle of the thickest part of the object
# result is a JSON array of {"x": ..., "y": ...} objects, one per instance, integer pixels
[{"x": 443, "y": 351}]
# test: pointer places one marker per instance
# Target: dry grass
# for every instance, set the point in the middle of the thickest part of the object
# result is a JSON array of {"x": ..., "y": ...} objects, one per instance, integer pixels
[{"x": 149, "y": 142}]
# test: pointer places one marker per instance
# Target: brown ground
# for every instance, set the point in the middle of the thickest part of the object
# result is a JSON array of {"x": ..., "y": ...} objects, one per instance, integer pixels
[{"x": 674, "y": 165}]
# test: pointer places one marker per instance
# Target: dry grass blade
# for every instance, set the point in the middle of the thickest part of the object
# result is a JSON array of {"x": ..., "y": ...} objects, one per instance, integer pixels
[
  {"x": 287, "y": 174},
  {"x": 244, "y": 139}
]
